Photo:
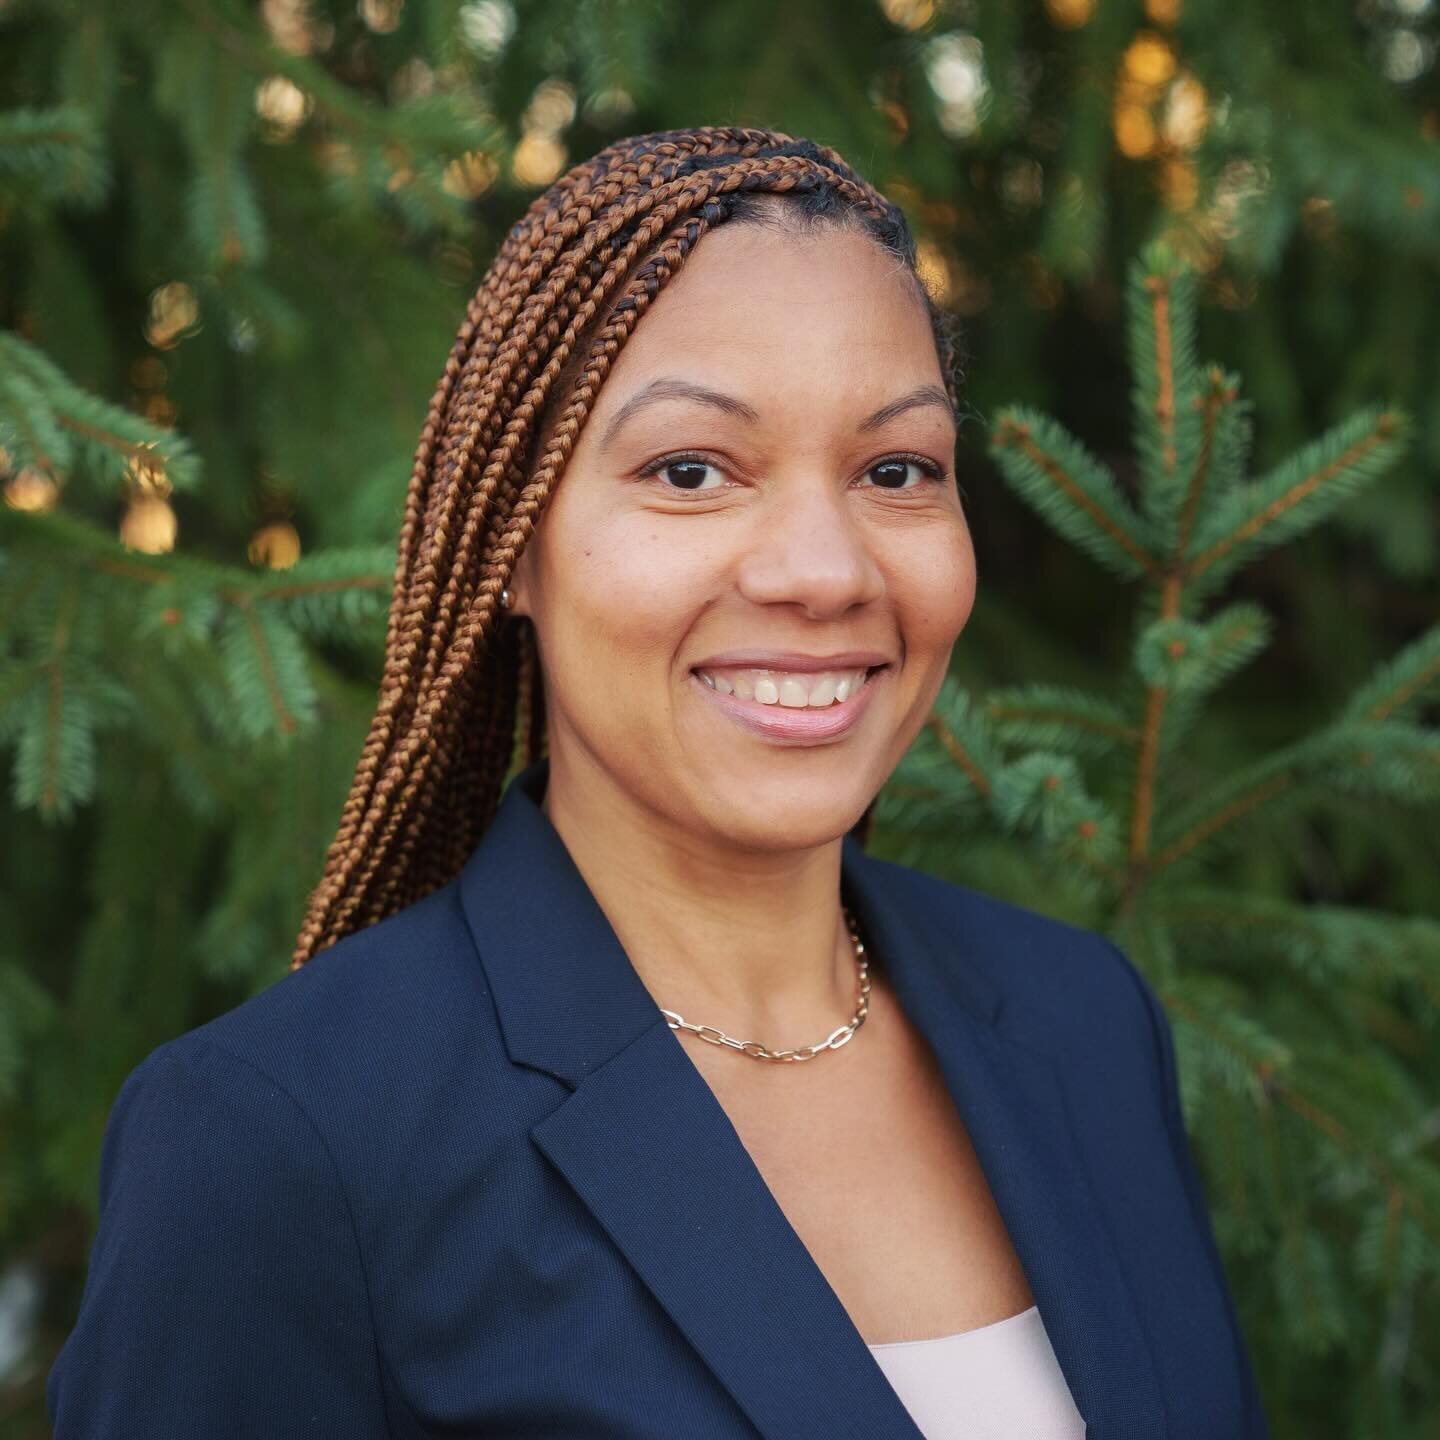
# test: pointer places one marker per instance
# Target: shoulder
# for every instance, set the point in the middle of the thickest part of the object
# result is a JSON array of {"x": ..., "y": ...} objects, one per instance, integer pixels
[
  {"x": 1052, "y": 979},
  {"x": 371, "y": 1028}
]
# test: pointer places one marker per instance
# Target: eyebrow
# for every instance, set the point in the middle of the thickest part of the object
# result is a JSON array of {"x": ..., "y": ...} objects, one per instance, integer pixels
[{"x": 675, "y": 389}]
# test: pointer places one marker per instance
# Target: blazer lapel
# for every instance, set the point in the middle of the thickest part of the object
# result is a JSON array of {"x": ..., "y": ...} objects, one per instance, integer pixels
[
  {"x": 647, "y": 1147},
  {"x": 1012, "y": 1101}
]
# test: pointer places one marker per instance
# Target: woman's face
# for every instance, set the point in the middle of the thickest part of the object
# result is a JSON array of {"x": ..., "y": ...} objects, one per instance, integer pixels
[{"x": 749, "y": 579}]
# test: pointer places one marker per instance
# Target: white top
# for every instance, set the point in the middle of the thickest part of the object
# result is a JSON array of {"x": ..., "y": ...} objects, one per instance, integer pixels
[{"x": 997, "y": 1382}]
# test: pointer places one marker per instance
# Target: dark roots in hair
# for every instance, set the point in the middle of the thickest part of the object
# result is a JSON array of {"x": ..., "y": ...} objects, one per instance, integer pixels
[{"x": 569, "y": 284}]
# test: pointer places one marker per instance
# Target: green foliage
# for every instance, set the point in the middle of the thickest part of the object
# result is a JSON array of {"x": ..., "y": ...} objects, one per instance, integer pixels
[
  {"x": 1073, "y": 491},
  {"x": 236, "y": 645},
  {"x": 48, "y": 155},
  {"x": 1296, "y": 496},
  {"x": 47, "y": 421}
]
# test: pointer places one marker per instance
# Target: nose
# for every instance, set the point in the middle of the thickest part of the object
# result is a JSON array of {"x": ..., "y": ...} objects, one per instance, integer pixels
[{"x": 810, "y": 549}]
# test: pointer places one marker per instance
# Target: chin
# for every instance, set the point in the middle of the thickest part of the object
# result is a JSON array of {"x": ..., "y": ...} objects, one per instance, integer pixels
[
  {"x": 789, "y": 838},
  {"x": 781, "y": 818}
]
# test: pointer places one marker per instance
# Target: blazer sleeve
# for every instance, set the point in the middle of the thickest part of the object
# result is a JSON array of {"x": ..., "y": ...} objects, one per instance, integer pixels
[
  {"x": 225, "y": 1294},
  {"x": 1256, "y": 1428}
]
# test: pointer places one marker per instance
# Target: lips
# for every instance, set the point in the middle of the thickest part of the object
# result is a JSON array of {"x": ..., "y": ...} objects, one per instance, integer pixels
[
  {"x": 794, "y": 723},
  {"x": 794, "y": 689},
  {"x": 793, "y": 660}
]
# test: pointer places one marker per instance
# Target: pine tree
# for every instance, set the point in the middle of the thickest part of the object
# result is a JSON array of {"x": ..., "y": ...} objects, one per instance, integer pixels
[{"x": 1298, "y": 1027}]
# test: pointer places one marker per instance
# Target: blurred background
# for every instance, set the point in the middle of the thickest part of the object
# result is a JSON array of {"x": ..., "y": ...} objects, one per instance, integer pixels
[{"x": 236, "y": 241}]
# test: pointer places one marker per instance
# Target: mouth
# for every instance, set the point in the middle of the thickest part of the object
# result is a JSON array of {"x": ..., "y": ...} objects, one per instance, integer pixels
[{"x": 799, "y": 706}]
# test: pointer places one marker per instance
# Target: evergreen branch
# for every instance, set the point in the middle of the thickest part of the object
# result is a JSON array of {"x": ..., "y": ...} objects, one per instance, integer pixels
[
  {"x": 29, "y": 426},
  {"x": 21, "y": 584},
  {"x": 1143, "y": 798},
  {"x": 199, "y": 769},
  {"x": 54, "y": 665},
  {"x": 1054, "y": 717},
  {"x": 1034, "y": 714},
  {"x": 1324, "y": 474},
  {"x": 1388, "y": 758},
  {"x": 69, "y": 538},
  {"x": 55, "y": 701},
  {"x": 965, "y": 739},
  {"x": 1044, "y": 793},
  {"x": 1181, "y": 660},
  {"x": 211, "y": 104},
  {"x": 1160, "y": 297},
  {"x": 1380, "y": 1256},
  {"x": 1290, "y": 1095},
  {"x": 284, "y": 720},
  {"x": 1379, "y": 180},
  {"x": 1110, "y": 875},
  {"x": 1243, "y": 1048},
  {"x": 1159, "y": 292},
  {"x": 1345, "y": 1139},
  {"x": 48, "y": 398},
  {"x": 922, "y": 792},
  {"x": 220, "y": 187},
  {"x": 224, "y": 215},
  {"x": 957, "y": 752},
  {"x": 16, "y": 679},
  {"x": 332, "y": 594},
  {"x": 131, "y": 570},
  {"x": 1218, "y": 395},
  {"x": 139, "y": 450},
  {"x": 1242, "y": 804},
  {"x": 1328, "y": 942},
  {"x": 1070, "y": 489},
  {"x": 267, "y": 672},
  {"x": 59, "y": 151},
  {"x": 1191, "y": 658},
  {"x": 1391, "y": 758},
  {"x": 442, "y": 126},
  {"x": 20, "y": 128},
  {"x": 1401, "y": 683},
  {"x": 315, "y": 587}
]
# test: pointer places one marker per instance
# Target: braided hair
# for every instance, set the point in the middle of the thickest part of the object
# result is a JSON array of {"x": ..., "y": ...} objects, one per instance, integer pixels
[{"x": 461, "y": 684}]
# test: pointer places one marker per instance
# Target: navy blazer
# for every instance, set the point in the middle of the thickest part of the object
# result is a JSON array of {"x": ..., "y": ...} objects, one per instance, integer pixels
[{"x": 456, "y": 1176}]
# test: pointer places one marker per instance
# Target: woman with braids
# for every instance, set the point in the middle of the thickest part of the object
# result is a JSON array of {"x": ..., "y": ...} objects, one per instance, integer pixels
[{"x": 614, "y": 1090}]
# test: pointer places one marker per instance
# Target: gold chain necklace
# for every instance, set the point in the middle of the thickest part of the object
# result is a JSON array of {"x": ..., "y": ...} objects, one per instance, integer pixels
[{"x": 836, "y": 1038}]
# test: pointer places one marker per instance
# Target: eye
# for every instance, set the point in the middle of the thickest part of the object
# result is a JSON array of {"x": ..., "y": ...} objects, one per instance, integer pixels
[
  {"x": 685, "y": 472},
  {"x": 893, "y": 472}
]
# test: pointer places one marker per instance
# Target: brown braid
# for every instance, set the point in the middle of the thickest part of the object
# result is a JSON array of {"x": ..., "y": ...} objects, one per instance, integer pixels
[{"x": 460, "y": 699}]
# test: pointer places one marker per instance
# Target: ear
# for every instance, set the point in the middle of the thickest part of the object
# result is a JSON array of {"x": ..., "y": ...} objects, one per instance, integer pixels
[{"x": 519, "y": 586}]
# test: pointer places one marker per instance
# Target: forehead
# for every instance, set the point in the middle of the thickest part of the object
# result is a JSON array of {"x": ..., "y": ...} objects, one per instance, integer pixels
[{"x": 769, "y": 313}]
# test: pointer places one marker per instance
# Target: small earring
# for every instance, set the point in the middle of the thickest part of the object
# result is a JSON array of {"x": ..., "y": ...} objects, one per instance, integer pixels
[{"x": 505, "y": 599}]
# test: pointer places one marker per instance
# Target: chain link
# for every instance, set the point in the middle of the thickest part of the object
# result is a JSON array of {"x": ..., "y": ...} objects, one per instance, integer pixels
[{"x": 841, "y": 1035}]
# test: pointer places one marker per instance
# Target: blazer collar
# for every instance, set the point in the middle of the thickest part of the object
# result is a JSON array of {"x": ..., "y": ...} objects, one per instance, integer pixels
[
  {"x": 648, "y": 1148},
  {"x": 569, "y": 998}
]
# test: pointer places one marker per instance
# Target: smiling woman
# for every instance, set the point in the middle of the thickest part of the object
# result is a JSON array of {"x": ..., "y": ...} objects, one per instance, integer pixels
[
  {"x": 464, "y": 1170},
  {"x": 757, "y": 565}
]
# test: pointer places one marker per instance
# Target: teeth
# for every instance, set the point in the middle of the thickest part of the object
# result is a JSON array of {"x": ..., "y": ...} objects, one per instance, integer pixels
[{"x": 793, "y": 689}]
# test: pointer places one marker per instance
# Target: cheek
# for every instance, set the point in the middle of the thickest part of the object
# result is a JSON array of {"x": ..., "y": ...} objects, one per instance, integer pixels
[
  {"x": 621, "y": 591},
  {"x": 933, "y": 582}
]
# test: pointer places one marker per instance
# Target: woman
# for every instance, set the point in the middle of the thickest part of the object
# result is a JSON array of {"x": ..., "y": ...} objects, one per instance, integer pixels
[{"x": 637, "y": 1100}]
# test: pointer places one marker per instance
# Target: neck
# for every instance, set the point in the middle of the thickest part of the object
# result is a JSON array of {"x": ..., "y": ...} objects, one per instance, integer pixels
[{"x": 753, "y": 942}]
